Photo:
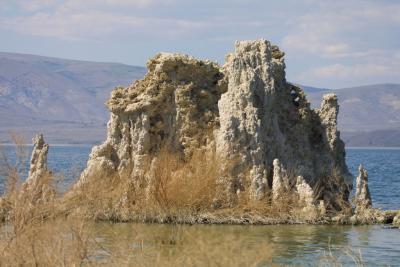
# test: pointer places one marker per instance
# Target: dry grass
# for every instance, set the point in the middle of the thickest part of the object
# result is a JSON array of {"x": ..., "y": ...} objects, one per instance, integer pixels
[
  {"x": 178, "y": 190},
  {"x": 337, "y": 257},
  {"x": 183, "y": 185},
  {"x": 51, "y": 242},
  {"x": 34, "y": 232},
  {"x": 58, "y": 231},
  {"x": 174, "y": 190},
  {"x": 335, "y": 194}
]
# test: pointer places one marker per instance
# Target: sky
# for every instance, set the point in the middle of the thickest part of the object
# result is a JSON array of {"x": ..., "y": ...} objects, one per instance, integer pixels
[{"x": 330, "y": 44}]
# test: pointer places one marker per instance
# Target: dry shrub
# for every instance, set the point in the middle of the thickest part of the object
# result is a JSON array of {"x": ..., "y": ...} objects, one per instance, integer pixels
[
  {"x": 337, "y": 256},
  {"x": 33, "y": 232},
  {"x": 51, "y": 242},
  {"x": 285, "y": 209},
  {"x": 57, "y": 231},
  {"x": 335, "y": 194},
  {"x": 184, "y": 185},
  {"x": 98, "y": 200},
  {"x": 184, "y": 190},
  {"x": 172, "y": 187}
]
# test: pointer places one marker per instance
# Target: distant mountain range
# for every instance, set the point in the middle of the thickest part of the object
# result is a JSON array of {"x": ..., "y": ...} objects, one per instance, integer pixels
[
  {"x": 64, "y": 99},
  {"x": 369, "y": 115}
]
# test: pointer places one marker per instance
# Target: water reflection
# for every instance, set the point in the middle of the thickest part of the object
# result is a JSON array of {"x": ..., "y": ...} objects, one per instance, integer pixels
[{"x": 229, "y": 245}]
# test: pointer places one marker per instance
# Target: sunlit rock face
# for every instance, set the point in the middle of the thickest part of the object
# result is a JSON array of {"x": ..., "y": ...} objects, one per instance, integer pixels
[
  {"x": 38, "y": 186},
  {"x": 174, "y": 106},
  {"x": 245, "y": 112},
  {"x": 363, "y": 197},
  {"x": 38, "y": 162},
  {"x": 262, "y": 118}
]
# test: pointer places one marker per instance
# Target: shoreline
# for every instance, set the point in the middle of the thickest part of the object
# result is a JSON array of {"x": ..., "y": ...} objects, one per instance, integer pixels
[
  {"x": 368, "y": 217},
  {"x": 52, "y": 145},
  {"x": 91, "y": 145},
  {"x": 373, "y": 147}
]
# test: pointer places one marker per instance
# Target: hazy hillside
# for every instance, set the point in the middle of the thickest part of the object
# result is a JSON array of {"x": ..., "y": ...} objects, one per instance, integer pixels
[
  {"x": 57, "y": 95},
  {"x": 379, "y": 138},
  {"x": 369, "y": 115},
  {"x": 64, "y": 99},
  {"x": 365, "y": 108}
]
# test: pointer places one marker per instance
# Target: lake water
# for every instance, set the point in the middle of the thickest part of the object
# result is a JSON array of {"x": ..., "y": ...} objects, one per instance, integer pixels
[
  {"x": 283, "y": 244},
  {"x": 244, "y": 245}
]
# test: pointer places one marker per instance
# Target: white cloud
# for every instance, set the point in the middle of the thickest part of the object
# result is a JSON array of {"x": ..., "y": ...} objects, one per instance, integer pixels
[
  {"x": 35, "y": 5},
  {"x": 66, "y": 26},
  {"x": 352, "y": 39},
  {"x": 27, "y": 5},
  {"x": 348, "y": 75},
  {"x": 328, "y": 32},
  {"x": 352, "y": 43},
  {"x": 98, "y": 4},
  {"x": 350, "y": 71},
  {"x": 100, "y": 19},
  {"x": 69, "y": 24},
  {"x": 313, "y": 43},
  {"x": 382, "y": 12}
]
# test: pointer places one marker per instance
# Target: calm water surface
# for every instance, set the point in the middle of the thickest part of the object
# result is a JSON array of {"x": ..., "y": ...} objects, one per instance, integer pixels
[
  {"x": 230, "y": 245},
  {"x": 383, "y": 166},
  {"x": 284, "y": 244}
]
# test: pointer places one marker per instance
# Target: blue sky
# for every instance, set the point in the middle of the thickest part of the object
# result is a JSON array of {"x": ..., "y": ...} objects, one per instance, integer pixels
[{"x": 331, "y": 44}]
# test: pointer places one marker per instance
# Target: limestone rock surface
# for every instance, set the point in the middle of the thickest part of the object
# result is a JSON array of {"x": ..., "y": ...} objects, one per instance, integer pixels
[
  {"x": 38, "y": 184},
  {"x": 38, "y": 162},
  {"x": 173, "y": 106},
  {"x": 362, "y": 197},
  {"x": 245, "y": 111},
  {"x": 396, "y": 220},
  {"x": 280, "y": 181},
  {"x": 306, "y": 194}
]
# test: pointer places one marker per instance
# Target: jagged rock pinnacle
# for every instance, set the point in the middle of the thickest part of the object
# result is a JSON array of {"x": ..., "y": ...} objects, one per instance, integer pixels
[
  {"x": 38, "y": 163},
  {"x": 38, "y": 186},
  {"x": 245, "y": 111},
  {"x": 362, "y": 197}
]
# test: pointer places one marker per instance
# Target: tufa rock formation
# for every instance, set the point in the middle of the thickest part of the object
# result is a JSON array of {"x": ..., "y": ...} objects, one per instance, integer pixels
[
  {"x": 37, "y": 188},
  {"x": 38, "y": 163},
  {"x": 38, "y": 184},
  {"x": 396, "y": 220},
  {"x": 261, "y": 127},
  {"x": 362, "y": 198},
  {"x": 280, "y": 180},
  {"x": 175, "y": 105}
]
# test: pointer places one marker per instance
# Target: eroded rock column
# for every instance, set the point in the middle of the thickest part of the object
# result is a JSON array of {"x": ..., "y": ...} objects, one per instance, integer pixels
[
  {"x": 280, "y": 181},
  {"x": 253, "y": 71},
  {"x": 362, "y": 197},
  {"x": 38, "y": 186},
  {"x": 38, "y": 162}
]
